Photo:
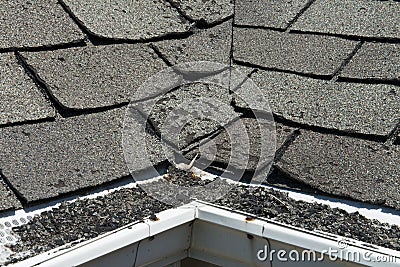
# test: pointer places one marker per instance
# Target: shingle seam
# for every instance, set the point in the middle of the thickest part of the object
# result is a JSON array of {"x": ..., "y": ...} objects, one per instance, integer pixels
[
  {"x": 289, "y": 183},
  {"x": 289, "y": 140},
  {"x": 241, "y": 26},
  {"x": 64, "y": 111},
  {"x": 346, "y": 61},
  {"x": 23, "y": 200},
  {"x": 351, "y": 37},
  {"x": 309, "y": 75},
  {"x": 27, "y": 122},
  {"x": 22, "y": 63},
  {"x": 368, "y": 80},
  {"x": 286, "y": 122},
  {"x": 319, "y": 77},
  {"x": 231, "y": 48},
  {"x": 299, "y": 14},
  {"x": 77, "y": 43},
  {"x": 394, "y": 135},
  {"x": 76, "y": 20},
  {"x": 181, "y": 12},
  {"x": 160, "y": 55}
]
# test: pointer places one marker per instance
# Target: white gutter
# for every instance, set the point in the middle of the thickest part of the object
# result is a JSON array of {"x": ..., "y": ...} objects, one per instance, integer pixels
[{"x": 209, "y": 233}]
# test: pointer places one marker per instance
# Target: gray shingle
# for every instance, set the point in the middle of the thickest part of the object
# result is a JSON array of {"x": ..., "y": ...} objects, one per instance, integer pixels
[
  {"x": 349, "y": 167},
  {"x": 254, "y": 129},
  {"x": 8, "y": 199},
  {"x": 95, "y": 76},
  {"x": 35, "y": 23},
  {"x": 207, "y": 11},
  {"x": 311, "y": 54},
  {"x": 208, "y": 45},
  {"x": 267, "y": 13},
  {"x": 21, "y": 100},
  {"x": 201, "y": 108},
  {"x": 375, "y": 61},
  {"x": 377, "y": 19},
  {"x": 120, "y": 19},
  {"x": 47, "y": 159},
  {"x": 352, "y": 107}
]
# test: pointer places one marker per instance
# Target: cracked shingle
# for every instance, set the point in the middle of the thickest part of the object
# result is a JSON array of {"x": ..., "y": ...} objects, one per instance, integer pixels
[
  {"x": 349, "y": 167},
  {"x": 8, "y": 199},
  {"x": 189, "y": 112},
  {"x": 267, "y": 13},
  {"x": 310, "y": 54},
  {"x": 48, "y": 159},
  {"x": 207, "y": 11},
  {"x": 95, "y": 76},
  {"x": 208, "y": 45},
  {"x": 377, "y": 19},
  {"x": 375, "y": 61},
  {"x": 20, "y": 99},
  {"x": 36, "y": 23},
  {"x": 352, "y": 107},
  {"x": 135, "y": 20},
  {"x": 239, "y": 144}
]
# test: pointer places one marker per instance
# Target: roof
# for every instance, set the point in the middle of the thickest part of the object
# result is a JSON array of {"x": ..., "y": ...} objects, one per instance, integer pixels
[{"x": 329, "y": 70}]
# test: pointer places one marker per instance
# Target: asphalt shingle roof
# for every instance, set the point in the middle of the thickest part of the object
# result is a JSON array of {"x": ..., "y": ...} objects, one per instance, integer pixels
[
  {"x": 21, "y": 100},
  {"x": 205, "y": 11},
  {"x": 375, "y": 61},
  {"x": 308, "y": 54},
  {"x": 8, "y": 199},
  {"x": 48, "y": 159},
  {"x": 373, "y": 19},
  {"x": 272, "y": 14},
  {"x": 329, "y": 70},
  {"x": 135, "y": 20},
  {"x": 209, "y": 45},
  {"x": 36, "y": 23},
  {"x": 94, "y": 76},
  {"x": 351, "y": 107},
  {"x": 358, "y": 169}
]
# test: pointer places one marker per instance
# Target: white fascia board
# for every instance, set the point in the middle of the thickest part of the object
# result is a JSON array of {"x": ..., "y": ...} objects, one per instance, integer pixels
[
  {"x": 171, "y": 218},
  {"x": 227, "y": 218}
]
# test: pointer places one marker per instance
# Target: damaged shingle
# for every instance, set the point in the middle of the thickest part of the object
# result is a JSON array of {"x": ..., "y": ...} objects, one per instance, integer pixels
[
  {"x": 310, "y": 54},
  {"x": 274, "y": 14},
  {"x": 207, "y": 11},
  {"x": 95, "y": 76},
  {"x": 207, "y": 45},
  {"x": 20, "y": 99},
  {"x": 135, "y": 19},
  {"x": 240, "y": 145},
  {"x": 189, "y": 112},
  {"x": 375, "y": 61},
  {"x": 349, "y": 167},
  {"x": 352, "y": 107},
  {"x": 376, "y": 19},
  {"x": 36, "y": 23}
]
